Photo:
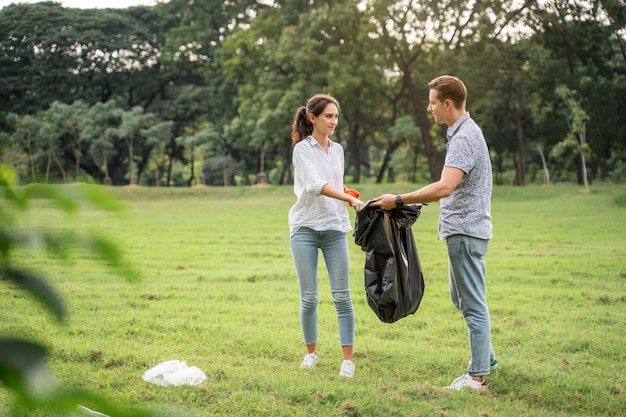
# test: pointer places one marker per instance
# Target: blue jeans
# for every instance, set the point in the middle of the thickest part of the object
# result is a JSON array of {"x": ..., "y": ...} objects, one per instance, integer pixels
[
  {"x": 466, "y": 273},
  {"x": 304, "y": 250}
]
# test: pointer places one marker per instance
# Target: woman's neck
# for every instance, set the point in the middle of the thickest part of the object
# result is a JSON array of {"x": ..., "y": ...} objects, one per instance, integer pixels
[{"x": 323, "y": 140}]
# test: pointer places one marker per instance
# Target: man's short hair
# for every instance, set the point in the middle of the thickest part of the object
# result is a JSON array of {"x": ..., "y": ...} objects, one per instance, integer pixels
[{"x": 450, "y": 88}]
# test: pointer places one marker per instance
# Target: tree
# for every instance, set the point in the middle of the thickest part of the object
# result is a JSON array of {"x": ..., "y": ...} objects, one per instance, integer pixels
[
  {"x": 25, "y": 132},
  {"x": 157, "y": 136},
  {"x": 194, "y": 47},
  {"x": 243, "y": 67},
  {"x": 356, "y": 74},
  {"x": 502, "y": 97},
  {"x": 69, "y": 124},
  {"x": 424, "y": 38},
  {"x": 99, "y": 130},
  {"x": 585, "y": 43},
  {"x": 50, "y": 53},
  {"x": 268, "y": 64},
  {"x": 403, "y": 132},
  {"x": 132, "y": 130},
  {"x": 196, "y": 146},
  {"x": 544, "y": 165},
  {"x": 50, "y": 143},
  {"x": 404, "y": 28},
  {"x": 187, "y": 108},
  {"x": 577, "y": 122}
]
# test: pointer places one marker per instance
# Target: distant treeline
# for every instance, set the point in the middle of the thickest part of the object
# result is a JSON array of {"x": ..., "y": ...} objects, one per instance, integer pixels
[{"x": 205, "y": 91}]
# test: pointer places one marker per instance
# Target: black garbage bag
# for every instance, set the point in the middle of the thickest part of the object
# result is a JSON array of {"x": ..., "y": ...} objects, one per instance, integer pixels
[{"x": 394, "y": 283}]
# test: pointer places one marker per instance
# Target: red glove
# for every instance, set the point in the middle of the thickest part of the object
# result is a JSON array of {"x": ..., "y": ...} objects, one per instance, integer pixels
[{"x": 351, "y": 191}]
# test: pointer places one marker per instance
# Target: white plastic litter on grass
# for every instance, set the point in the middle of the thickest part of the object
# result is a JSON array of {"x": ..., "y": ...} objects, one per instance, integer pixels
[
  {"x": 174, "y": 373},
  {"x": 89, "y": 412}
]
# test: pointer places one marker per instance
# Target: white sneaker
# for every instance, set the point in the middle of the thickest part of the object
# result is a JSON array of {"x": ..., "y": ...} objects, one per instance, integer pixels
[
  {"x": 347, "y": 368},
  {"x": 309, "y": 361},
  {"x": 466, "y": 381}
]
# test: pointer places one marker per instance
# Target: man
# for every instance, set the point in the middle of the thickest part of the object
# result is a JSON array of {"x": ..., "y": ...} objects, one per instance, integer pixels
[{"x": 464, "y": 219}]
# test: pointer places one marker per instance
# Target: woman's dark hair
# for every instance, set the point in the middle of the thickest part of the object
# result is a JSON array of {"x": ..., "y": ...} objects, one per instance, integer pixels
[{"x": 302, "y": 126}]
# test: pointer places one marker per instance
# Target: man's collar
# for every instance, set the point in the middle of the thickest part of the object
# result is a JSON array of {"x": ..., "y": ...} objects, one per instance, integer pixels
[{"x": 452, "y": 129}]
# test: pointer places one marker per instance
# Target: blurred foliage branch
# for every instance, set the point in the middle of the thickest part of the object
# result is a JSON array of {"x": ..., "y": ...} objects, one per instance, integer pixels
[{"x": 23, "y": 363}]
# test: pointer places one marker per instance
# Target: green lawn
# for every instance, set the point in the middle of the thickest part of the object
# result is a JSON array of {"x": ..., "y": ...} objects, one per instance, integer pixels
[{"x": 218, "y": 290}]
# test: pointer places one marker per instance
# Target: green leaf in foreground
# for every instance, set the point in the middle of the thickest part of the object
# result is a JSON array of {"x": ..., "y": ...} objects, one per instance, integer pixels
[
  {"x": 23, "y": 364},
  {"x": 111, "y": 253},
  {"x": 23, "y": 368},
  {"x": 38, "y": 287}
]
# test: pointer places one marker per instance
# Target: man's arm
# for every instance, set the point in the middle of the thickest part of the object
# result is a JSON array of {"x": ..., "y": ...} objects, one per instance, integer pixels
[{"x": 450, "y": 178}]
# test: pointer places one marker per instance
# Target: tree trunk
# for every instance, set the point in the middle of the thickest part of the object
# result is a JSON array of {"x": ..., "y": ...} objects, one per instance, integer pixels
[
  {"x": 170, "y": 164},
  {"x": 261, "y": 177},
  {"x": 435, "y": 158},
  {"x": 31, "y": 158},
  {"x": 244, "y": 169},
  {"x": 287, "y": 177},
  {"x": 63, "y": 173},
  {"x": 499, "y": 169},
  {"x": 48, "y": 165},
  {"x": 131, "y": 157},
  {"x": 192, "y": 168},
  {"x": 546, "y": 172},
  {"x": 582, "y": 164},
  {"x": 520, "y": 170},
  {"x": 356, "y": 160},
  {"x": 107, "y": 178},
  {"x": 381, "y": 172},
  {"x": 393, "y": 146},
  {"x": 226, "y": 171},
  {"x": 157, "y": 178},
  {"x": 354, "y": 149}
]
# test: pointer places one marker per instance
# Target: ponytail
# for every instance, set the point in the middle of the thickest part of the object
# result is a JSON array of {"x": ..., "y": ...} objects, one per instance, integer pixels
[{"x": 302, "y": 126}]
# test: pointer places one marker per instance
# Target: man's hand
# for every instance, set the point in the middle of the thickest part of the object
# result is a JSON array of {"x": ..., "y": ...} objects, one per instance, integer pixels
[{"x": 385, "y": 201}]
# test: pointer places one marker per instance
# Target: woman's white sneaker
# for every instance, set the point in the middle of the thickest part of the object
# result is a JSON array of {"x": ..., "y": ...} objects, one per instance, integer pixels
[
  {"x": 466, "y": 381},
  {"x": 347, "y": 368},
  {"x": 309, "y": 360}
]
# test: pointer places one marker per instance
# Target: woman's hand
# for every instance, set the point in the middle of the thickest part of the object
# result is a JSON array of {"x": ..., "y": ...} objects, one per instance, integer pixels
[{"x": 357, "y": 204}]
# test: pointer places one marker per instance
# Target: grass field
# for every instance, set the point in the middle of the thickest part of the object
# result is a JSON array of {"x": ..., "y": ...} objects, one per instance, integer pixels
[{"x": 218, "y": 290}]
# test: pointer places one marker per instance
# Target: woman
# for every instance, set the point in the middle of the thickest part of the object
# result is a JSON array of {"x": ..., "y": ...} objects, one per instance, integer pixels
[{"x": 319, "y": 220}]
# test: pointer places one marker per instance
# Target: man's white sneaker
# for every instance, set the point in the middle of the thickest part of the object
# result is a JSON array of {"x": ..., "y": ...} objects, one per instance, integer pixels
[
  {"x": 466, "y": 381},
  {"x": 309, "y": 360},
  {"x": 347, "y": 369}
]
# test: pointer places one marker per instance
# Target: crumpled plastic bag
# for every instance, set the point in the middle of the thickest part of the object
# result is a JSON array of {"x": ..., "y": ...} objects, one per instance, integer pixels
[
  {"x": 84, "y": 410},
  {"x": 174, "y": 373}
]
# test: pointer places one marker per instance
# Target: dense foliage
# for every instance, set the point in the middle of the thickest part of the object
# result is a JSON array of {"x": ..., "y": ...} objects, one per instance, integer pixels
[{"x": 204, "y": 92}]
